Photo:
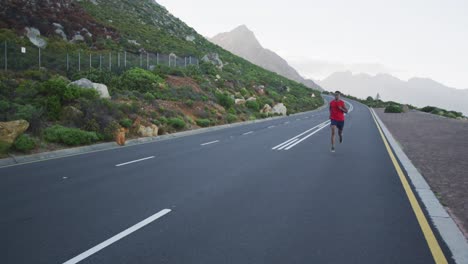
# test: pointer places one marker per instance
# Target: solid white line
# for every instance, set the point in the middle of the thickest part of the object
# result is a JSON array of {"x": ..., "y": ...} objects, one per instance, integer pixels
[
  {"x": 246, "y": 133},
  {"x": 305, "y": 132},
  {"x": 133, "y": 161},
  {"x": 304, "y": 138},
  {"x": 117, "y": 237},
  {"x": 208, "y": 143},
  {"x": 285, "y": 145}
]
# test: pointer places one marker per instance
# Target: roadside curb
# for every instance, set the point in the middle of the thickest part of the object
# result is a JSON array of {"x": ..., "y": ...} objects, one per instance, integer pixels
[
  {"x": 17, "y": 160},
  {"x": 446, "y": 226}
]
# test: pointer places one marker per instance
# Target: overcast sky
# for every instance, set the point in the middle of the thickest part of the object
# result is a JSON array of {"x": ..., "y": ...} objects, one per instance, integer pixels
[{"x": 407, "y": 38}]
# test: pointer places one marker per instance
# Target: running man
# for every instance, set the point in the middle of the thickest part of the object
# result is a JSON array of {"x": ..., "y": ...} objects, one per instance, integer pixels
[{"x": 337, "y": 110}]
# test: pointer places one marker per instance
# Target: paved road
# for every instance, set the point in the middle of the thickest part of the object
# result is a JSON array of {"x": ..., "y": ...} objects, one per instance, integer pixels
[{"x": 225, "y": 196}]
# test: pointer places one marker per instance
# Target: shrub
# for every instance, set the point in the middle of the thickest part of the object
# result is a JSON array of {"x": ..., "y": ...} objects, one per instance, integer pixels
[
  {"x": 149, "y": 96},
  {"x": 224, "y": 100},
  {"x": 176, "y": 123},
  {"x": 24, "y": 143},
  {"x": 69, "y": 136},
  {"x": 140, "y": 80},
  {"x": 428, "y": 109},
  {"x": 253, "y": 105},
  {"x": 53, "y": 107},
  {"x": 127, "y": 123},
  {"x": 163, "y": 120},
  {"x": 231, "y": 118},
  {"x": 189, "y": 103},
  {"x": 244, "y": 92},
  {"x": 393, "y": 109},
  {"x": 203, "y": 122},
  {"x": 25, "y": 112}
]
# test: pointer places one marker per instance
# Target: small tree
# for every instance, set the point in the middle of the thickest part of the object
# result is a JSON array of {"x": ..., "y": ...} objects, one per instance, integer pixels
[{"x": 377, "y": 97}]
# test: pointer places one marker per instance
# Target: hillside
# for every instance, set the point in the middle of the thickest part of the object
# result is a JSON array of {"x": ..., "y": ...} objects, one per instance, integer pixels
[
  {"x": 242, "y": 42},
  {"x": 416, "y": 91},
  {"x": 213, "y": 91}
]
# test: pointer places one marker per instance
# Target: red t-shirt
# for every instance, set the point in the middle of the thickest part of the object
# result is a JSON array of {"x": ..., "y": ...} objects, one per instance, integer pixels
[{"x": 335, "y": 112}]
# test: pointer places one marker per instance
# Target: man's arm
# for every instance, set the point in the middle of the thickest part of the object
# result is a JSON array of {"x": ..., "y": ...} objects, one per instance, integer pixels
[{"x": 343, "y": 108}]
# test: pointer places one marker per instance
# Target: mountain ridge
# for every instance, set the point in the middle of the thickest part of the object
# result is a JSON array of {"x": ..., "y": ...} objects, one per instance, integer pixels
[{"x": 243, "y": 42}]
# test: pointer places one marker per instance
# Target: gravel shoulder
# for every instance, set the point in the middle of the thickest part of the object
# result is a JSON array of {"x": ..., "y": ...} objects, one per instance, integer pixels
[{"x": 438, "y": 147}]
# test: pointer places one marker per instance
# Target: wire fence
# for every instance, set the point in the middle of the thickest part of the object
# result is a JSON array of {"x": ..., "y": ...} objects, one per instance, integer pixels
[{"x": 28, "y": 57}]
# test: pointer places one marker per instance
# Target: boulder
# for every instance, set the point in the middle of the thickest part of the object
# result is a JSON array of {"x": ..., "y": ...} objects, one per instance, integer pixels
[
  {"x": 34, "y": 35},
  {"x": 313, "y": 96},
  {"x": 85, "y": 83},
  {"x": 280, "y": 109},
  {"x": 260, "y": 89},
  {"x": 9, "y": 131},
  {"x": 149, "y": 131},
  {"x": 251, "y": 99},
  {"x": 213, "y": 58},
  {"x": 266, "y": 109},
  {"x": 240, "y": 101}
]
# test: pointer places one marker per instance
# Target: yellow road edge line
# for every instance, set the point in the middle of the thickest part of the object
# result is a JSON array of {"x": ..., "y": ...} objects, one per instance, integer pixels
[{"x": 431, "y": 240}]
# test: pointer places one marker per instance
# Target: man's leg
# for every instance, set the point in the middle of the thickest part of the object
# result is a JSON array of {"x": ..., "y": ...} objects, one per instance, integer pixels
[
  {"x": 340, "y": 131},
  {"x": 333, "y": 137}
]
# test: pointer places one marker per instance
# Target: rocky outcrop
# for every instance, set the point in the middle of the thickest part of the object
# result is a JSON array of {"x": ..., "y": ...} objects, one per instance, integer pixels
[
  {"x": 260, "y": 89},
  {"x": 213, "y": 58},
  {"x": 280, "y": 109},
  {"x": 240, "y": 101},
  {"x": 9, "y": 131},
  {"x": 149, "y": 131},
  {"x": 266, "y": 109},
  {"x": 34, "y": 35},
  {"x": 85, "y": 83}
]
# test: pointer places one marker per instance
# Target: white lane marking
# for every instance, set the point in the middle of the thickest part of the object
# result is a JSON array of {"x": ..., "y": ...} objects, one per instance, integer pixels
[
  {"x": 117, "y": 237},
  {"x": 271, "y": 126},
  {"x": 298, "y": 119},
  {"x": 133, "y": 161},
  {"x": 285, "y": 145},
  {"x": 246, "y": 133},
  {"x": 208, "y": 143},
  {"x": 291, "y": 139},
  {"x": 304, "y": 138}
]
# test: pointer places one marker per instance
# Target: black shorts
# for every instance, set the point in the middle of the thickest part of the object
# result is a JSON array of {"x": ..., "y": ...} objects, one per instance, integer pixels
[{"x": 338, "y": 124}]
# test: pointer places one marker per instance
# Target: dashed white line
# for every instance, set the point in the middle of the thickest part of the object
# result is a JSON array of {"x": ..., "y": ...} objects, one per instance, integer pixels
[
  {"x": 133, "y": 161},
  {"x": 208, "y": 143},
  {"x": 246, "y": 133},
  {"x": 286, "y": 123},
  {"x": 271, "y": 126},
  {"x": 117, "y": 237}
]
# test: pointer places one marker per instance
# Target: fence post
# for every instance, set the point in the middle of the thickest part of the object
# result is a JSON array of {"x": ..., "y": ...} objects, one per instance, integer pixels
[
  {"x": 157, "y": 58},
  {"x": 147, "y": 61},
  {"x": 110, "y": 61},
  {"x": 6, "y": 57},
  {"x": 68, "y": 65},
  {"x": 90, "y": 60},
  {"x": 118, "y": 59},
  {"x": 190, "y": 60},
  {"x": 141, "y": 62},
  {"x": 125, "y": 59},
  {"x": 39, "y": 58},
  {"x": 185, "y": 58},
  {"x": 100, "y": 62},
  {"x": 79, "y": 60}
]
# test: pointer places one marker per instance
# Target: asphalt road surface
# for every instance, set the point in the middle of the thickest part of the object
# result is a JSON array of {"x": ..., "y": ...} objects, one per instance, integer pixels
[{"x": 268, "y": 192}]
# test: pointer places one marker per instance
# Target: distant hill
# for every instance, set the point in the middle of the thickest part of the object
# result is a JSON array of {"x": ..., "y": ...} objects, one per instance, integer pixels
[
  {"x": 416, "y": 91},
  {"x": 242, "y": 42}
]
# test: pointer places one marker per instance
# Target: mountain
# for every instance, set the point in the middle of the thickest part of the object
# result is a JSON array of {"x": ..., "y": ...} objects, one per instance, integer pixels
[
  {"x": 416, "y": 91},
  {"x": 242, "y": 42}
]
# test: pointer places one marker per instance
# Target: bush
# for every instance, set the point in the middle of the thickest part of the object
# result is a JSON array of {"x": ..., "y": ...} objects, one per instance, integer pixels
[
  {"x": 24, "y": 143},
  {"x": 69, "y": 136},
  {"x": 393, "y": 109},
  {"x": 203, "y": 122},
  {"x": 253, "y": 105},
  {"x": 53, "y": 107},
  {"x": 140, "y": 80},
  {"x": 176, "y": 123},
  {"x": 428, "y": 109},
  {"x": 231, "y": 118},
  {"x": 127, "y": 123},
  {"x": 224, "y": 100},
  {"x": 25, "y": 112},
  {"x": 189, "y": 103},
  {"x": 149, "y": 97},
  {"x": 244, "y": 92}
]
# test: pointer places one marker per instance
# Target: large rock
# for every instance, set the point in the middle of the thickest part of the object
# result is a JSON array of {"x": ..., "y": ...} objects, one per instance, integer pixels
[
  {"x": 251, "y": 99},
  {"x": 150, "y": 131},
  {"x": 34, "y": 35},
  {"x": 405, "y": 108},
  {"x": 9, "y": 131},
  {"x": 266, "y": 109},
  {"x": 85, "y": 83},
  {"x": 280, "y": 109},
  {"x": 213, "y": 58},
  {"x": 240, "y": 101}
]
